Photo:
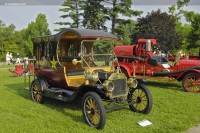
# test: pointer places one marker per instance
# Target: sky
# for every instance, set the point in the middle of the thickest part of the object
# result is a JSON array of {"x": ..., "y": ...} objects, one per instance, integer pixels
[{"x": 22, "y": 12}]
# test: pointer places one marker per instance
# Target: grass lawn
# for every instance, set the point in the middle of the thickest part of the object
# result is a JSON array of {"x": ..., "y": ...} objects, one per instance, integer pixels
[{"x": 173, "y": 111}]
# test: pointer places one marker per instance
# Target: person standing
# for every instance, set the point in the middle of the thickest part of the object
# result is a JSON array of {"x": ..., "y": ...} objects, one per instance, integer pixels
[
  {"x": 11, "y": 59},
  {"x": 18, "y": 60},
  {"x": 7, "y": 59}
]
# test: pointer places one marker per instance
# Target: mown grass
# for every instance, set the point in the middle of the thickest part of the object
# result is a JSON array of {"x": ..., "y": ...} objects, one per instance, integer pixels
[{"x": 173, "y": 111}]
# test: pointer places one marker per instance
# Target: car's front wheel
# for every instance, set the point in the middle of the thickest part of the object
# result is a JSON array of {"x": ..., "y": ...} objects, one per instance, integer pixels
[
  {"x": 93, "y": 110},
  {"x": 140, "y": 99}
]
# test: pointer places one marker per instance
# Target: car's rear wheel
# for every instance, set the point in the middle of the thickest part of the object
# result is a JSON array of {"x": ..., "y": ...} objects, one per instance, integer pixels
[
  {"x": 36, "y": 91},
  {"x": 93, "y": 110},
  {"x": 191, "y": 82},
  {"x": 140, "y": 99}
]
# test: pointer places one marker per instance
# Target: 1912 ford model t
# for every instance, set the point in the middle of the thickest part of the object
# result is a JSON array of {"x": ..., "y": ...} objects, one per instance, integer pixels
[{"x": 74, "y": 63}]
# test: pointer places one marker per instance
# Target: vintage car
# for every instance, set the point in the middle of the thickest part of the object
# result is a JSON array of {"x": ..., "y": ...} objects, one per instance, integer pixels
[
  {"x": 139, "y": 60},
  {"x": 80, "y": 63}
]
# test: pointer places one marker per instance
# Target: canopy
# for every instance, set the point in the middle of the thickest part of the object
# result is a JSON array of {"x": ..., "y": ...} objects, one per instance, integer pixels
[{"x": 68, "y": 33}]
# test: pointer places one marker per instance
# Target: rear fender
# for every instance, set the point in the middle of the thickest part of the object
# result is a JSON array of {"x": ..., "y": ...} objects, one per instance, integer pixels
[
  {"x": 43, "y": 82},
  {"x": 182, "y": 75}
]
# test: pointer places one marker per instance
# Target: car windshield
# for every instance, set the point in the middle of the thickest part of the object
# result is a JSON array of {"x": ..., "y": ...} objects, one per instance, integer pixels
[{"x": 97, "y": 53}]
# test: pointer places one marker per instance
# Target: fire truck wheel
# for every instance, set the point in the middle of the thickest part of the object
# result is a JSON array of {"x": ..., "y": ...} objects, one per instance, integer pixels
[
  {"x": 36, "y": 91},
  {"x": 93, "y": 110},
  {"x": 140, "y": 99},
  {"x": 191, "y": 82}
]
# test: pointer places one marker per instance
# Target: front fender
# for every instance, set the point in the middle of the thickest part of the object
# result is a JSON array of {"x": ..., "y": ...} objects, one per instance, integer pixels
[
  {"x": 127, "y": 69},
  {"x": 85, "y": 88}
]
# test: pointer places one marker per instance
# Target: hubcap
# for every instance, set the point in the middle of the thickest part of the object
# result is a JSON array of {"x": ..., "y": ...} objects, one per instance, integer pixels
[{"x": 140, "y": 98}]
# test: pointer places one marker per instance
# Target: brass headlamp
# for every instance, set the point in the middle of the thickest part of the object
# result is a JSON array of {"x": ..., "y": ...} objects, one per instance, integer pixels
[
  {"x": 132, "y": 82},
  {"x": 108, "y": 85}
]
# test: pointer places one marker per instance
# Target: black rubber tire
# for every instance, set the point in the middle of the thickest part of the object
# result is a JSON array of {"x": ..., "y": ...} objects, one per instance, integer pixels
[
  {"x": 37, "y": 92},
  {"x": 191, "y": 82},
  {"x": 93, "y": 110},
  {"x": 141, "y": 98}
]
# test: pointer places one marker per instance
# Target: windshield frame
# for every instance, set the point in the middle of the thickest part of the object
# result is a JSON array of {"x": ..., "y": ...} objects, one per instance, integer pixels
[{"x": 88, "y": 54}]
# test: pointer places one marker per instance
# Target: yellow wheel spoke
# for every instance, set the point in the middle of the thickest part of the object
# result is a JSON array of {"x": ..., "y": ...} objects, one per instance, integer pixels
[
  {"x": 88, "y": 107},
  {"x": 92, "y": 111},
  {"x": 89, "y": 101}
]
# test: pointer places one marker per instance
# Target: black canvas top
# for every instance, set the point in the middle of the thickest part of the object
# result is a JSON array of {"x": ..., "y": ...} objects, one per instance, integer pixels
[
  {"x": 86, "y": 33},
  {"x": 81, "y": 33}
]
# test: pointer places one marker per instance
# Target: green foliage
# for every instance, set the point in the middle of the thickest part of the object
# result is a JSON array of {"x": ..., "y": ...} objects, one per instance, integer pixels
[
  {"x": 72, "y": 10},
  {"x": 173, "y": 111},
  {"x": 177, "y": 10},
  {"x": 105, "y": 45},
  {"x": 194, "y": 34},
  {"x": 190, "y": 33},
  {"x": 9, "y": 39},
  {"x": 37, "y": 28},
  {"x": 161, "y": 26},
  {"x": 21, "y": 41},
  {"x": 184, "y": 30},
  {"x": 116, "y": 9},
  {"x": 125, "y": 30},
  {"x": 94, "y": 15}
]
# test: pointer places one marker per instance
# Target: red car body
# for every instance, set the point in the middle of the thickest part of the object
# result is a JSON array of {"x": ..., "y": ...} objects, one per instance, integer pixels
[{"x": 139, "y": 60}]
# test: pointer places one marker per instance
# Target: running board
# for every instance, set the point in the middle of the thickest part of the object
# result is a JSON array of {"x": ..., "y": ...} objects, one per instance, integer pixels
[{"x": 58, "y": 93}]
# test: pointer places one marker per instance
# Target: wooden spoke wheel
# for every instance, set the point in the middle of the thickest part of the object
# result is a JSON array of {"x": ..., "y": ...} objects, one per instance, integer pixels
[
  {"x": 93, "y": 110},
  {"x": 36, "y": 91},
  {"x": 140, "y": 99},
  {"x": 191, "y": 82}
]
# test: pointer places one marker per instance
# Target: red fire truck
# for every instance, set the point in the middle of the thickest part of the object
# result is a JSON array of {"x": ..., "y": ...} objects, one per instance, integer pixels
[{"x": 139, "y": 60}]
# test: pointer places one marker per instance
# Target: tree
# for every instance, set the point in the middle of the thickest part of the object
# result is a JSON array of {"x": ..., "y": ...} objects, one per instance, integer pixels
[
  {"x": 117, "y": 13},
  {"x": 73, "y": 9},
  {"x": 194, "y": 34},
  {"x": 94, "y": 15},
  {"x": 177, "y": 10},
  {"x": 21, "y": 41},
  {"x": 183, "y": 30},
  {"x": 190, "y": 32},
  {"x": 160, "y": 26},
  {"x": 7, "y": 39},
  {"x": 2, "y": 45},
  {"x": 37, "y": 28},
  {"x": 125, "y": 30}
]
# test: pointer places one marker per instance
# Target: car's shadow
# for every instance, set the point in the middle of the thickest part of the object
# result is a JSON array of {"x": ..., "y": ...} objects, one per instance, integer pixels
[
  {"x": 164, "y": 84},
  {"x": 57, "y": 105}
]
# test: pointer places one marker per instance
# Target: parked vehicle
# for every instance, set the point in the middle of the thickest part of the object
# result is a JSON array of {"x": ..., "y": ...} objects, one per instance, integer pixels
[
  {"x": 73, "y": 63},
  {"x": 139, "y": 60}
]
